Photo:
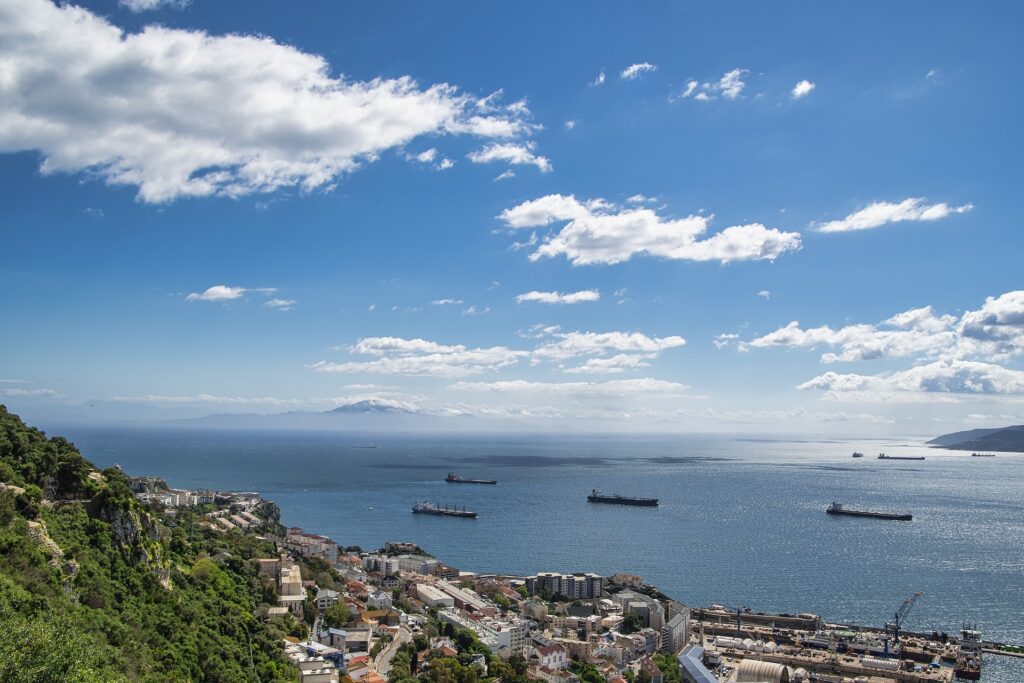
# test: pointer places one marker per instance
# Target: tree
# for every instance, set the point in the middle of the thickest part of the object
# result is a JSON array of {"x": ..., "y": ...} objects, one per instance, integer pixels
[
  {"x": 518, "y": 664},
  {"x": 586, "y": 672},
  {"x": 309, "y": 610},
  {"x": 464, "y": 638},
  {"x": 631, "y": 622},
  {"x": 669, "y": 667},
  {"x": 7, "y": 509},
  {"x": 449, "y": 670},
  {"x": 325, "y": 580},
  {"x": 337, "y": 616}
]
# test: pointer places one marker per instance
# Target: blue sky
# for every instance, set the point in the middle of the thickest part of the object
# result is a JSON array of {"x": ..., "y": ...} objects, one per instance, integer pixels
[{"x": 260, "y": 207}]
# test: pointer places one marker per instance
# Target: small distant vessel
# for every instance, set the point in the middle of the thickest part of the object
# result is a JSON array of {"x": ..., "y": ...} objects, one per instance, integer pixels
[
  {"x": 983, "y": 455},
  {"x": 858, "y": 455},
  {"x": 598, "y": 497},
  {"x": 453, "y": 478},
  {"x": 883, "y": 456},
  {"x": 838, "y": 509},
  {"x": 428, "y": 508},
  {"x": 364, "y": 446},
  {"x": 968, "y": 660}
]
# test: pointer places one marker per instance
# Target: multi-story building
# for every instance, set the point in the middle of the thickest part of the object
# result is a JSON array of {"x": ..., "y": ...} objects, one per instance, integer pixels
[
  {"x": 317, "y": 670},
  {"x": 379, "y": 600},
  {"x": 676, "y": 633},
  {"x": 326, "y": 598},
  {"x": 577, "y": 649},
  {"x": 577, "y": 586},
  {"x": 316, "y": 545},
  {"x": 497, "y": 634},
  {"x": 652, "y": 640},
  {"x": 445, "y": 572},
  {"x": 535, "y": 610},
  {"x": 415, "y": 564},
  {"x": 650, "y": 610}
]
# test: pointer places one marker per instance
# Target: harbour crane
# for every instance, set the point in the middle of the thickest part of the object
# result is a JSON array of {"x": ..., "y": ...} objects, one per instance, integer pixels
[
  {"x": 739, "y": 627},
  {"x": 892, "y": 628}
]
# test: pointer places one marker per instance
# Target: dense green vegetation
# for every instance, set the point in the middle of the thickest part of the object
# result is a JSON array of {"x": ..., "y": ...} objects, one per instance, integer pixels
[
  {"x": 669, "y": 667},
  {"x": 631, "y": 622},
  {"x": 96, "y": 587}
]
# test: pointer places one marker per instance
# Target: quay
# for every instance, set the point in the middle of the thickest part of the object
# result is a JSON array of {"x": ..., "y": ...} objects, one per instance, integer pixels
[{"x": 843, "y": 665}]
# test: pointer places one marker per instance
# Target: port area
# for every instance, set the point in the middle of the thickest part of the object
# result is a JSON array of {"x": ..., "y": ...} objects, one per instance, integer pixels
[
  {"x": 828, "y": 668},
  {"x": 814, "y": 650}
]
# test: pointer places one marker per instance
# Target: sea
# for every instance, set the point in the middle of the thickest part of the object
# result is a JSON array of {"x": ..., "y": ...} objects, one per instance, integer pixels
[{"x": 741, "y": 520}]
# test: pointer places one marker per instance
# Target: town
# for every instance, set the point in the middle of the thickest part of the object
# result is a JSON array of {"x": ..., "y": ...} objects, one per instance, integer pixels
[{"x": 395, "y": 613}]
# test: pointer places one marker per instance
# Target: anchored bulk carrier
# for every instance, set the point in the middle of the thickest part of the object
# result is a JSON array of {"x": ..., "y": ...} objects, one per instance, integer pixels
[
  {"x": 453, "y": 478},
  {"x": 838, "y": 509},
  {"x": 428, "y": 508},
  {"x": 598, "y": 497},
  {"x": 883, "y": 456}
]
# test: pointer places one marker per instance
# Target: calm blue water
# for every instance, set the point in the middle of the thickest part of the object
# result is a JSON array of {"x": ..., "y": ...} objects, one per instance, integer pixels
[{"x": 741, "y": 522}]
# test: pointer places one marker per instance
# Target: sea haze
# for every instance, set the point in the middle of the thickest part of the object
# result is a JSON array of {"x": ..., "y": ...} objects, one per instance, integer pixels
[{"x": 741, "y": 521}]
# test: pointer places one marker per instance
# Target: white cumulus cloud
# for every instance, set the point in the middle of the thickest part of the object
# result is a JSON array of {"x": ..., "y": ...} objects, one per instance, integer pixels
[
  {"x": 566, "y": 345},
  {"x": 398, "y": 356},
  {"x": 634, "y": 71},
  {"x": 226, "y": 293},
  {"x": 802, "y": 89},
  {"x": 913, "y": 333},
  {"x": 560, "y": 298},
  {"x": 939, "y": 380},
  {"x": 598, "y": 232},
  {"x": 512, "y": 153},
  {"x": 147, "y": 5},
  {"x": 600, "y": 352},
  {"x": 878, "y": 214},
  {"x": 280, "y": 304},
  {"x": 730, "y": 86},
  {"x": 183, "y": 113},
  {"x": 951, "y": 355}
]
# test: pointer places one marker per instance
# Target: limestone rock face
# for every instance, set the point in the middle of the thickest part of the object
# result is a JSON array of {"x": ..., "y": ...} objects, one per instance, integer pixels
[
  {"x": 50, "y": 547},
  {"x": 137, "y": 535}
]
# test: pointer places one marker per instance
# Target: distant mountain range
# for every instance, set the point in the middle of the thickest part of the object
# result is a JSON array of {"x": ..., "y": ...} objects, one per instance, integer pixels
[
  {"x": 1005, "y": 439},
  {"x": 362, "y": 416},
  {"x": 371, "y": 407}
]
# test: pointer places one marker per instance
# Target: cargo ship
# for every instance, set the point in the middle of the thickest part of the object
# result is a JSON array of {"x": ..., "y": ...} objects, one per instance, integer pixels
[
  {"x": 968, "y": 661},
  {"x": 983, "y": 455},
  {"x": 883, "y": 456},
  {"x": 428, "y": 508},
  {"x": 453, "y": 478},
  {"x": 838, "y": 509},
  {"x": 598, "y": 497}
]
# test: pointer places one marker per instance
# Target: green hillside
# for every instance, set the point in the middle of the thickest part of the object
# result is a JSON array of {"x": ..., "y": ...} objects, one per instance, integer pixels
[{"x": 96, "y": 587}]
